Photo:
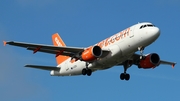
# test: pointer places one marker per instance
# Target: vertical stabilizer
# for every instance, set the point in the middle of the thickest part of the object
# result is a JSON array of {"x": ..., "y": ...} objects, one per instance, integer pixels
[{"x": 57, "y": 41}]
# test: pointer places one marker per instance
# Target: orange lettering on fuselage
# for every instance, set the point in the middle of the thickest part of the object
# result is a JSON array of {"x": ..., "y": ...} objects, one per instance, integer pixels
[
  {"x": 114, "y": 38},
  {"x": 121, "y": 34},
  {"x": 106, "y": 42},
  {"x": 117, "y": 37},
  {"x": 127, "y": 31}
]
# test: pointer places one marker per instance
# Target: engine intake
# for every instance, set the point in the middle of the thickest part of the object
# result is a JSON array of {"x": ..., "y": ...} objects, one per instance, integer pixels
[
  {"x": 150, "y": 61},
  {"x": 91, "y": 53}
]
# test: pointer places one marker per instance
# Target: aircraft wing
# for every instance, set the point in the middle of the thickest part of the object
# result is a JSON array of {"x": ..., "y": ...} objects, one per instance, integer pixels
[
  {"x": 58, "y": 50},
  {"x": 167, "y": 63}
]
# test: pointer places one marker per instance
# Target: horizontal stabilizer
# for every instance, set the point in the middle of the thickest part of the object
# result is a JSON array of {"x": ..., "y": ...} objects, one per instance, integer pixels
[{"x": 49, "y": 68}]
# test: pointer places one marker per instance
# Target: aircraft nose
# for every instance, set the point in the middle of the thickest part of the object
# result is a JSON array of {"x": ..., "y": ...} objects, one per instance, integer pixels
[{"x": 155, "y": 31}]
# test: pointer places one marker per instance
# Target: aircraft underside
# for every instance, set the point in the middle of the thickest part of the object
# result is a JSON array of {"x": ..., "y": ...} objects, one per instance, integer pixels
[{"x": 117, "y": 50}]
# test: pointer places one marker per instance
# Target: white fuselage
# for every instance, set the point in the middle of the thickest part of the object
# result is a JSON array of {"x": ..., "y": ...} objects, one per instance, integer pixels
[{"x": 121, "y": 46}]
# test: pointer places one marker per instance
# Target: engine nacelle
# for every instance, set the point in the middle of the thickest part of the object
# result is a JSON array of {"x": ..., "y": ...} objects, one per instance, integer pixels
[
  {"x": 91, "y": 53},
  {"x": 150, "y": 61}
]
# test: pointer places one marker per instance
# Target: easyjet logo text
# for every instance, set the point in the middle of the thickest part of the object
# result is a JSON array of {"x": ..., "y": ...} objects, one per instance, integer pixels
[
  {"x": 114, "y": 38},
  {"x": 57, "y": 42}
]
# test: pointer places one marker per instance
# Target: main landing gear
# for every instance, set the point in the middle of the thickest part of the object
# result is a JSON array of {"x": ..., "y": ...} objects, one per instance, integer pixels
[
  {"x": 86, "y": 71},
  {"x": 125, "y": 76}
]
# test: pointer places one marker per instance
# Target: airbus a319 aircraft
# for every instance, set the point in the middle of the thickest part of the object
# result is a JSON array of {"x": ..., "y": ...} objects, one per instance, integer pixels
[{"x": 117, "y": 50}]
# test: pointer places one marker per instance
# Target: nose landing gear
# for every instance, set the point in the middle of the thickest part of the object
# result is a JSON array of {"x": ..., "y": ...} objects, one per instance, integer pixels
[{"x": 141, "y": 49}]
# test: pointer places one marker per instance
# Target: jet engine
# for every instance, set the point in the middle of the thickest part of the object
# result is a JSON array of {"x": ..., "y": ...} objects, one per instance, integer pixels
[
  {"x": 150, "y": 61},
  {"x": 91, "y": 53}
]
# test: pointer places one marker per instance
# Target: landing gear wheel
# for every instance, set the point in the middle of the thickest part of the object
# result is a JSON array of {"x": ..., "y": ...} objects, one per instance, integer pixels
[
  {"x": 89, "y": 72},
  {"x": 127, "y": 77},
  {"x": 124, "y": 76},
  {"x": 84, "y": 71}
]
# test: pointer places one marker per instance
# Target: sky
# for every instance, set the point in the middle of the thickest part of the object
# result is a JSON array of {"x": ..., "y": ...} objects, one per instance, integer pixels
[{"x": 82, "y": 23}]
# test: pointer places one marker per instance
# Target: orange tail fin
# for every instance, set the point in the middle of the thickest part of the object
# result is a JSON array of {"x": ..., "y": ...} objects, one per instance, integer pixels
[{"x": 57, "y": 41}]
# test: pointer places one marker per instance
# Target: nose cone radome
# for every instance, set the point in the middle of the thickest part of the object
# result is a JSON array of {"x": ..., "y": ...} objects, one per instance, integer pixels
[{"x": 155, "y": 31}]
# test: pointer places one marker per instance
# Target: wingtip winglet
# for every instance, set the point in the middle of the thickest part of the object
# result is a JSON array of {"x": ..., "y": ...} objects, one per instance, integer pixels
[
  {"x": 4, "y": 43},
  {"x": 173, "y": 65}
]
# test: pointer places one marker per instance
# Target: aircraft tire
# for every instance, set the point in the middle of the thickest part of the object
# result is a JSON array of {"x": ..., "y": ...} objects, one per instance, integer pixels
[
  {"x": 122, "y": 76},
  {"x": 127, "y": 77},
  {"x": 89, "y": 72},
  {"x": 84, "y": 71}
]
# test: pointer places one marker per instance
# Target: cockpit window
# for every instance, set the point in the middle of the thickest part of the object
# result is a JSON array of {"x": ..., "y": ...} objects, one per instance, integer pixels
[
  {"x": 140, "y": 27},
  {"x": 148, "y": 25}
]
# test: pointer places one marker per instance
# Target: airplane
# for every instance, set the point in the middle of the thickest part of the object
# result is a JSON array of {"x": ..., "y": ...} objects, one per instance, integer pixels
[{"x": 118, "y": 50}]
